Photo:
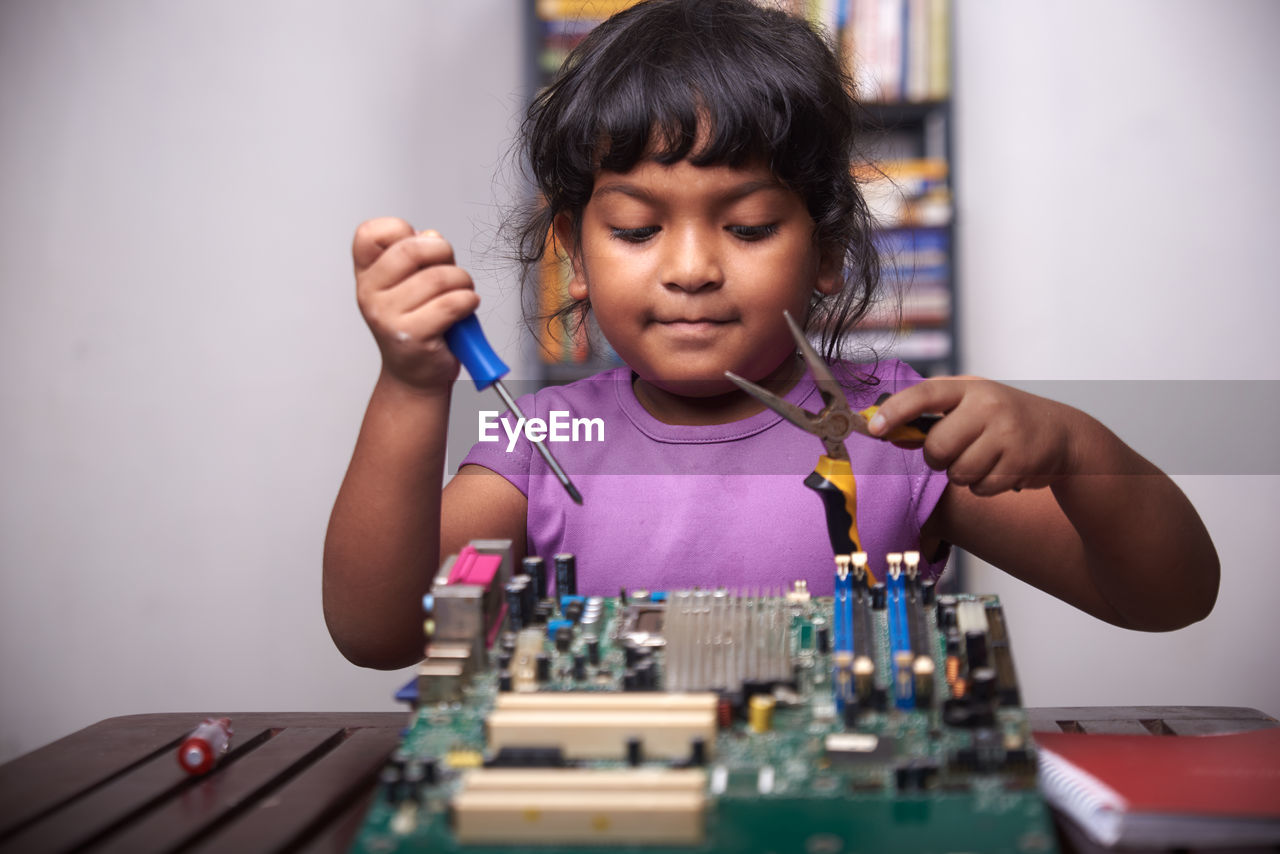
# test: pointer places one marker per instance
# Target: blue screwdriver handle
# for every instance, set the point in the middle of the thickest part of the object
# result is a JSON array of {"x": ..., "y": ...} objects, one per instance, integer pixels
[{"x": 467, "y": 342}]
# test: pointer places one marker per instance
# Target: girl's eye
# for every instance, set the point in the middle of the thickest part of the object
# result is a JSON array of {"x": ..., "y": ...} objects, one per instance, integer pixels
[
  {"x": 753, "y": 232},
  {"x": 634, "y": 235}
]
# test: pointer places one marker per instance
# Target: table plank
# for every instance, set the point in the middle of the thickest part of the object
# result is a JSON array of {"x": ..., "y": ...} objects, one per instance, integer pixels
[
  {"x": 301, "y": 807},
  {"x": 40, "y": 781}
]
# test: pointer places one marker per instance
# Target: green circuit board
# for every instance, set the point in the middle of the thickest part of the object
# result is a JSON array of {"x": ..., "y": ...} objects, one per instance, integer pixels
[{"x": 877, "y": 720}]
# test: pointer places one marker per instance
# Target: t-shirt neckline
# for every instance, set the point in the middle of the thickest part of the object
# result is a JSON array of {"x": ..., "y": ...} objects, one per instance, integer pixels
[{"x": 701, "y": 433}]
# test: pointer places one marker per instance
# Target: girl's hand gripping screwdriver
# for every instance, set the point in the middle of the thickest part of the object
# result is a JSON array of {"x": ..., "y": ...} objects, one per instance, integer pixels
[
  {"x": 832, "y": 478},
  {"x": 467, "y": 343}
]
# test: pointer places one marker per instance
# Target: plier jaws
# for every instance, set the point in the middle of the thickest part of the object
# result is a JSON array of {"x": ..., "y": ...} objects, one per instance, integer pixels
[
  {"x": 834, "y": 422},
  {"x": 831, "y": 425}
]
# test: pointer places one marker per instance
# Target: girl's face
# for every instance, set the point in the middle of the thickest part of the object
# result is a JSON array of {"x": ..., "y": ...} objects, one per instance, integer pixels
[{"x": 688, "y": 270}]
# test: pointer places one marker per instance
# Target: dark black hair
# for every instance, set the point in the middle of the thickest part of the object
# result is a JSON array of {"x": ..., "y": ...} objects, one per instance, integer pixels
[{"x": 767, "y": 87}]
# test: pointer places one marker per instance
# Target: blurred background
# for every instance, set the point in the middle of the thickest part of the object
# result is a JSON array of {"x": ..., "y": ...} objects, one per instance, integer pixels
[{"x": 183, "y": 368}]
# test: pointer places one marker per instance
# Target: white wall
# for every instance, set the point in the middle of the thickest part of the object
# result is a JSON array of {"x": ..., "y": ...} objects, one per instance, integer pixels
[
  {"x": 1116, "y": 169},
  {"x": 182, "y": 365}
]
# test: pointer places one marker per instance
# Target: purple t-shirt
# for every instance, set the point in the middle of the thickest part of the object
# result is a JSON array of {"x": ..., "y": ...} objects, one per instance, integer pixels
[{"x": 667, "y": 507}]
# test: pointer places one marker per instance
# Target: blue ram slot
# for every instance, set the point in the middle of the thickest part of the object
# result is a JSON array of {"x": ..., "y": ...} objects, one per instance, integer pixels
[
  {"x": 842, "y": 614},
  {"x": 904, "y": 689},
  {"x": 842, "y": 640}
]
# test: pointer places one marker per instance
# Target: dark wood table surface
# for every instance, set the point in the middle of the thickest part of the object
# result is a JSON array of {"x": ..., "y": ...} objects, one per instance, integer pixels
[{"x": 302, "y": 781}]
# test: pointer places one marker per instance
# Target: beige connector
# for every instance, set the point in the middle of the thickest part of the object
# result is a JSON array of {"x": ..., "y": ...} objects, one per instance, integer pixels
[
  {"x": 598, "y": 725},
  {"x": 548, "y": 806},
  {"x": 651, "y": 778},
  {"x": 566, "y": 701},
  {"x": 597, "y": 734}
]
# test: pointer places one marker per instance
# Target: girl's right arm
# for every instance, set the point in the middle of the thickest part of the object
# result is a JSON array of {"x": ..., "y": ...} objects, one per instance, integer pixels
[{"x": 386, "y": 533}]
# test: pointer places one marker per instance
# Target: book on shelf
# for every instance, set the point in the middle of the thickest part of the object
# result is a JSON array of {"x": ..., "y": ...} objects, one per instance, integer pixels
[
  {"x": 915, "y": 273},
  {"x": 896, "y": 50},
  {"x": 1166, "y": 791},
  {"x": 560, "y": 337}
]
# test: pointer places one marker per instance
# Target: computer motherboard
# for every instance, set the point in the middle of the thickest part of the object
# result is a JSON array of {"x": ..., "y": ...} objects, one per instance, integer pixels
[{"x": 885, "y": 718}]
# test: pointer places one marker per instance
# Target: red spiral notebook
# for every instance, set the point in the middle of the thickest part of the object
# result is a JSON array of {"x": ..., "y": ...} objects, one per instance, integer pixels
[{"x": 1149, "y": 790}]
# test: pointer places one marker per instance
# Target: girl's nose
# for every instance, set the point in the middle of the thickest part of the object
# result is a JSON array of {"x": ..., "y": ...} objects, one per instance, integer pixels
[{"x": 692, "y": 262}]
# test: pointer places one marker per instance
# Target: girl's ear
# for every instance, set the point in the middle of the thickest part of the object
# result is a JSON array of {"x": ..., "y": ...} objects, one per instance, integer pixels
[
  {"x": 830, "y": 270},
  {"x": 568, "y": 242}
]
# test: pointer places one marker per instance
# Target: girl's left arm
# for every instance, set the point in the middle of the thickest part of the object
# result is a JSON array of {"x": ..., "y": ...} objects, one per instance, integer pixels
[{"x": 1051, "y": 496}]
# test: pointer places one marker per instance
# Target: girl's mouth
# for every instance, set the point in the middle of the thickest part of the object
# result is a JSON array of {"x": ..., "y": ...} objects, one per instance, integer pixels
[{"x": 693, "y": 327}]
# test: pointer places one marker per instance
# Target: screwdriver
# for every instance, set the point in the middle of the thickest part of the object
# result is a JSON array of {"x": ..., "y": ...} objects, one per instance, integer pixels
[{"x": 467, "y": 343}]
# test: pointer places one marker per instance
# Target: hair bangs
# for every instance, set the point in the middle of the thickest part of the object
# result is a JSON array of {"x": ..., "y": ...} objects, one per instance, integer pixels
[{"x": 705, "y": 112}]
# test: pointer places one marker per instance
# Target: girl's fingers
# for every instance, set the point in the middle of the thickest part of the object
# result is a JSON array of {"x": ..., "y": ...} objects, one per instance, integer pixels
[
  {"x": 941, "y": 394},
  {"x": 402, "y": 259},
  {"x": 431, "y": 321},
  {"x": 426, "y": 285},
  {"x": 373, "y": 237},
  {"x": 950, "y": 438},
  {"x": 975, "y": 464}
]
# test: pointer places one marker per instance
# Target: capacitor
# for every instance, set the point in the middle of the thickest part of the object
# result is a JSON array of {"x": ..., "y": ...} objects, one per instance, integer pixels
[
  {"x": 946, "y": 607},
  {"x": 504, "y": 680},
  {"x": 580, "y": 667},
  {"x": 822, "y": 639},
  {"x": 536, "y": 568},
  {"x": 390, "y": 780},
  {"x": 515, "y": 603},
  {"x": 953, "y": 641},
  {"x": 566, "y": 575},
  {"x": 593, "y": 649},
  {"x": 414, "y": 774},
  {"x": 982, "y": 683},
  {"x": 928, "y": 588},
  {"x": 697, "y": 751},
  {"x": 975, "y": 648},
  {"x": 760, "y": 712},
  {"x": 564, "y": 638},
  {"x": 205, "y": 745},
  {"x": 646, "y": 675},
  {"x": 544, "y": 667},
  {"x": 399, "y": 758},
  {"x": 528, "y": 599}
]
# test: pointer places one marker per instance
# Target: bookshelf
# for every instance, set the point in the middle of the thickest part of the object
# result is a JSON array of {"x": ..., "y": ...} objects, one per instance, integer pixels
[{"x": 899, "y": 53}]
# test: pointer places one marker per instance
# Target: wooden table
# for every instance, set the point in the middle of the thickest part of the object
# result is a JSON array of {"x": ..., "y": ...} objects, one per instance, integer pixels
[{"x": 303, "y": 780}]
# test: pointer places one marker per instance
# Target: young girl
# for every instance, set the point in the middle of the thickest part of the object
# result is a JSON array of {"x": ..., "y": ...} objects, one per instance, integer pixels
[{"x": 694, "y": 162}]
